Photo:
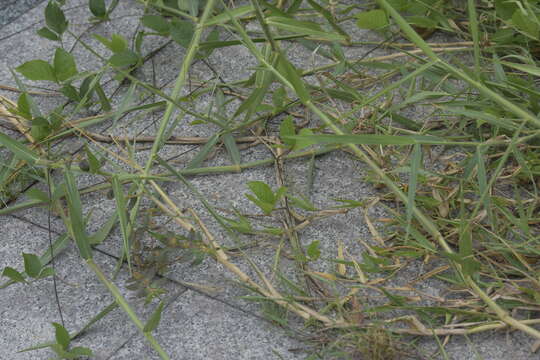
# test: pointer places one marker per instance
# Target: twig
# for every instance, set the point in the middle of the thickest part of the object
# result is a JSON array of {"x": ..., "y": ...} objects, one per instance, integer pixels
[
  {"x": 14, "y": 89},
  {"x": 178, "y": 140}
]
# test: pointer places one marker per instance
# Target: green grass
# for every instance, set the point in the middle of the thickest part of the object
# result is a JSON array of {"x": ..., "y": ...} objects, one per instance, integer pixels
[{"x": 456, "y": 175}]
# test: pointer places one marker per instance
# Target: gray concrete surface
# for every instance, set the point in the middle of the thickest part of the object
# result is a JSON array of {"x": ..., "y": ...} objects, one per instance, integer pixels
[
  {"x": 208, "y": 320},
  {"x": 11, "y": 10}
]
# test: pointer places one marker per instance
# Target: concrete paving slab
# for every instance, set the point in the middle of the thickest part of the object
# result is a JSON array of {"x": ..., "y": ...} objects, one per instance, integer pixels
[
  {"x": 194, "y": 326},
  {"x": 12, "y": 9}
]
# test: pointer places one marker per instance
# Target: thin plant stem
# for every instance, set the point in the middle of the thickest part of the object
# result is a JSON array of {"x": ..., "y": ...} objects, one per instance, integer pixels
[{"x": 126, "y": 308}]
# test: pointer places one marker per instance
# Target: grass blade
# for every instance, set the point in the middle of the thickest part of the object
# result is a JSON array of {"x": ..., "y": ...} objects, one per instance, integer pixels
[
  {"x": 232, "y": 149},
  {"x": 483, "y": 183},
  {"x": 203, "y": 153},
  {"x": 304, "y": 27},
  {"x": 76, "y": 220},
  {"x": 328, "y": 16},
  {"x": 416, "y": 162},
  {"x": 376, "y": 139},
  {"x": 224, "y": 17},
  {"x": 122, "y": 212},
  {"x": 473, "y": 28},
  {"x": 18, "y": 149}
]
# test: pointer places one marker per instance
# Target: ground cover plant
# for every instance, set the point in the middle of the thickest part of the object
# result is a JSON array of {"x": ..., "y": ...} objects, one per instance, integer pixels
[{"x": 446, "y": 130}]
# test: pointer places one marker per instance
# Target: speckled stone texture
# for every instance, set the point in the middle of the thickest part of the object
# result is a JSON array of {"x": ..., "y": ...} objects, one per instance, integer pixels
[{"x": 11, "y": 10}]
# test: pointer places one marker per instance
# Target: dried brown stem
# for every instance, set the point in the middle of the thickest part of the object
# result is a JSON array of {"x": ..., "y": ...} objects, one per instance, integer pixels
[{"x": 178, "y": 140}]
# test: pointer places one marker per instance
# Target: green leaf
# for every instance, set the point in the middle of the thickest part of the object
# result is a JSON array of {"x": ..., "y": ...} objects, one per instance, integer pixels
[
  {"x": 232, "y": 149},
  {"x": 70, "y": 92},
  {"x": 483, "y": 116},
  {"x": 13, "y": 274},
  {"x": 420, "y": 96},
  {"x": 241, "y": 225},
  {"x": 505, "y": 9},
  {"x": 93, "y": 162},
  {"x": 371, "y": 139},
  {"x": 194, "y": 7},
  {"x": 267, "y": 208},
  {"x": 60, "y": 351},
  {"x": 138, "y": 41},
  {"x": 262, "y": 191},
  {"x": 97, "y": 8},
  {"x": 18, "y": 149},
  {"x": 302, "y": 203},
  {"x": 153, "y": 322},
  {"x": 396, "y": 300},
  {"x": 76, "y": 216},
  {"x": 79, "y": 351},
  {"x": 124, "y": 58},
  {"x": 253, "y": 101},
  {"x": 280, "y": 193},
  {"x": 465, "y": 244},
  {"x": 103, "y": 99},
  {"x": 483, "y": 182},
  {"x": 372, "y": 19},
  {"x": 526, "y": 23},
  {"x": 40, "y": 132},
  {"x": 313, "y": 250},
  {"x": 413, "y": 182},
  {"x": 86, "y": 89},
  {"x": 32, "y": 265},
  {"x": 203, "y": 153},
  {"x": 265, "y": 198},
  {"x": 23, "y": 106},
  {"x": 529, "y": 69},
  {"x": 329, "y": 17},
  {"x": 46, "y": 33},
  {"x": 401, "y": 5},
  {"x": 46, "y": 272},
  {"x": 286, "y": 129},
  {"x": 422, "y": 21},
  {"x": 37, "y": 70},
  {"x": 289, "y": 72},
  {"x": 62, "y": 336},
  {"x": 303, "y": 141},
  {"x": 156, "y": 23},
  {"x": 35, "y": 193},
  {"x": 59, "y": 192},
  {"x": 64, "y": 65},
  {"x": 117, "y": 44},
  {"x": 183, "y": 5},
  {"x": 55, "y": 19},
  {"x": 55, "y": 117},
  {"x": 349, "y": 204},
  {"x": 278, "y": 97},
  {"x": 182, "y": 31},
  {"x": 212, "y": 37},
  {"x": 100, "y": 235},
  {"x": 40, "y": 121},
  {"x": 122, "y": 211},
  {"x": 225, "y": 17}
]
